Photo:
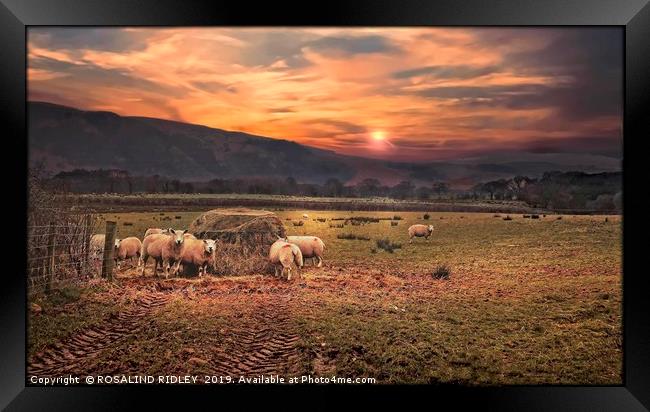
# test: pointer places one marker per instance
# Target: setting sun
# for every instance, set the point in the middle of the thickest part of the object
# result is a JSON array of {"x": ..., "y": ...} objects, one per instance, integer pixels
[{"x": 378, "y": 135}]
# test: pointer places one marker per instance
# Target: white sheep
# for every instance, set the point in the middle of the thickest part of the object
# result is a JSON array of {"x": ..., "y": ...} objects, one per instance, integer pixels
[
  {"x": 199, "y": 253},
  {"x": 166, "y": 249},
  {"x": 283, "y": 255},
  {"x": 305, "y": 215},
  {"x": 127, "y": 248},
  {"x": 420, "y": 231},
  {"x": 311, "y": 247},
  {"x": 154, "y": 231},
  {"x": 97, "y": 245}
]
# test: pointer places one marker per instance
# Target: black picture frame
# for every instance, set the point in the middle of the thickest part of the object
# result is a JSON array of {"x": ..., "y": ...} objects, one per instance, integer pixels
[{"x": 633, "y": 15}]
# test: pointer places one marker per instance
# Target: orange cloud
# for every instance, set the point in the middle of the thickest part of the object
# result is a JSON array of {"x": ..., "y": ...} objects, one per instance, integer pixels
[{"x": 331, "y": 87}]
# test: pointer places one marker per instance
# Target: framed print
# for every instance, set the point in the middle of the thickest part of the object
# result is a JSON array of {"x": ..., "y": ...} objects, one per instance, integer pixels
[{"x": 391, "y": 200}]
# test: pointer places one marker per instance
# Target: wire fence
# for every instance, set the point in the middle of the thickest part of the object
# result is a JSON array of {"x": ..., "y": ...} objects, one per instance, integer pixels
[{"x": 59, "y": 248}]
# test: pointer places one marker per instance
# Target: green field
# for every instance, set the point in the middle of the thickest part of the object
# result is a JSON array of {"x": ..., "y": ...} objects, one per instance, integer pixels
[{"x": 529, "y": 301}]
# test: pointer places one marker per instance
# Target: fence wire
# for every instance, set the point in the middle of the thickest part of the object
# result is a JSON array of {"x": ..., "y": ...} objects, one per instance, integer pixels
[{"x": 58, "y": 248}]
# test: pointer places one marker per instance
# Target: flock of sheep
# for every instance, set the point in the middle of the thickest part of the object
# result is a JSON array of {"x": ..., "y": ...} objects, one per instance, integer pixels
[{"x": 171, "y": 249}]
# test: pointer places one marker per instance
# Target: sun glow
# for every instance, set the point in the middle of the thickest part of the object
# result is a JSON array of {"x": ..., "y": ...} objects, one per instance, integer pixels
[{"x": 379, "y": 135}]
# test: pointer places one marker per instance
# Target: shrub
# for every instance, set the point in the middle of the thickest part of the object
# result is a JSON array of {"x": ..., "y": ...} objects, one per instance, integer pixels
[
  {"x": 299, "y": 223},
  {"x": 396, "y": 217},
  {"x": 364, "y": 219},
  {"x": 321, "y": 219},
  {"x": 373, "y": 250},
  {"x": 177, "y": 217},
  {"x": 388, "y": 245},
  {"x": 441, "y": 272},
  {"x": 127, "y": 224},
  {"x": 497, "y": 215},
  {"x": 559, "y": 218},
  {"x": 426, "y": 216},
  {"x": 526, "y": 216},
  {"x": 393, "y": 223},
  {"x": 507, "y": 218},
  {"x": 534, "y": 216},
  {"x": 351, "y": 236}
]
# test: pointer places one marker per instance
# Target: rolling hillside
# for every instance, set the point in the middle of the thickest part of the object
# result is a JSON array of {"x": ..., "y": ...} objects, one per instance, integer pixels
[{"x": 64, "y": 138}]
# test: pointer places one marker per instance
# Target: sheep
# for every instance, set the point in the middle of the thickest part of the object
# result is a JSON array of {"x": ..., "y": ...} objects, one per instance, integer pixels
[
  {"x": 154, "y": 230},
  {"x": 305, "y": 215},
  {"x": 283, "y": 254},
  {"x": 199, "y": 253},
  {"x": 127, "y": 248},
  {"x": 166, "y": 249},
  {"x": 97, "y": 244},
  {"x": 311, "y": 247},
  {"x": 189, "y": 236},
  {"x": 420, "y": 231}
]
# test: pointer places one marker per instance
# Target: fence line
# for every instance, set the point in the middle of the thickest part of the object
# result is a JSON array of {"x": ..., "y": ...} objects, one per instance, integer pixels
[{"x": 58, "y": 247}]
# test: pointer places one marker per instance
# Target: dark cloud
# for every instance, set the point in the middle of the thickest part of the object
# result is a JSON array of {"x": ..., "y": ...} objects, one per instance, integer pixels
[
  {"x": 340, "y": 126},
  {"x": 94, "y": 76},
  {"x": 214, "y": 87},
  {"x": 406, "y": 142},
  {"x": 592, "y": 58},
  {"x": 571, "y": 102},
  {"x": 80, "y": 38},
  {"x": 267, "y": 48},
  {"x": 479, "y": 93},
  {"x": 596, "y": 145},
  {"x": 446, "y": 72},
  {"x": 350, "y": 45},
  {"x": 282, "y": 110}
]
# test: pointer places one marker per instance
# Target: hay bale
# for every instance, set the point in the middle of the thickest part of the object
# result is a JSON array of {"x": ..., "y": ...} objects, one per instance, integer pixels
[{"x": 243, "y": 237}]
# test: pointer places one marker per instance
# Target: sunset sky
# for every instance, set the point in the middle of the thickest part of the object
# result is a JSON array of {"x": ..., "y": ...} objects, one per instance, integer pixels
[{"x": 393, "y": 93}]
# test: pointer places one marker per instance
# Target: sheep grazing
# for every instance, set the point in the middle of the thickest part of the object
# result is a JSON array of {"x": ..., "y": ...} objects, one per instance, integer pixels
[
  {"x": 154, "y": 231},
  {"x": 420, "y": 231},
  {"x": 283, "y": 255},
  {"x": 127, "y": 248},
  {"x": 199, "y": 253},
  {"x": 166, "y": 249},
  {"x": 97, "y": 245},
  {"x": 311, "y": 247}
]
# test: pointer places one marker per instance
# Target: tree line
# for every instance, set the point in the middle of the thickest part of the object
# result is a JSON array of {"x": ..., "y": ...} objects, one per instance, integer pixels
[{"x": 554, "y": 190}]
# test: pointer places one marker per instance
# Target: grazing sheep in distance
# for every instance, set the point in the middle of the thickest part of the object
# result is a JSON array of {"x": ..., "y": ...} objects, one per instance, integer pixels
[
  {"x": 311, "y": 247},
  {"x": 420, "y": 231},
  {"x": 166, "y": 249},
  {"x": 199, "y": 253},
  {"x": 305, "y": 215},
  {"x": 283, "y": 255},
  {"x": 127, "y": 248}
]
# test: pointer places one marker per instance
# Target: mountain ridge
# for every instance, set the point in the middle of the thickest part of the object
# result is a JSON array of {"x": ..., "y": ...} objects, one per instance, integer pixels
[{"x": 66, "y": 138}]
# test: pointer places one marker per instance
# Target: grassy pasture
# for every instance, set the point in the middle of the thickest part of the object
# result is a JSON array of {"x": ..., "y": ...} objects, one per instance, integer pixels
[{"x": 528, "y": 301}]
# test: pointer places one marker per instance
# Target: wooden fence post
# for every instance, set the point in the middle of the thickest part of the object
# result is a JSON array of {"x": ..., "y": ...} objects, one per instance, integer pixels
[
  {"x": 109, "y": 246},
  {"x": 51, "y": 244},
  {"x": 86, "y": 245}
]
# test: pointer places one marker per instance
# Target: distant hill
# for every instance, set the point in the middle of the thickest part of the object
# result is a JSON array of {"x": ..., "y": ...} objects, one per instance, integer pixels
[{"x": 65, "y": 138}]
